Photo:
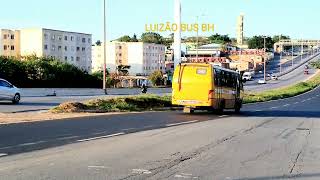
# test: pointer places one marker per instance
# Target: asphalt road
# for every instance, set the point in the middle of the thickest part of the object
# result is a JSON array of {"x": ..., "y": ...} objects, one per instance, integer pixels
[{"x": 272, "y": 140}]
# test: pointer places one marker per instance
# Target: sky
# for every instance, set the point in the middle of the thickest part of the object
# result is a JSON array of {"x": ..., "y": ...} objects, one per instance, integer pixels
[{"x": 296, "y": 18}]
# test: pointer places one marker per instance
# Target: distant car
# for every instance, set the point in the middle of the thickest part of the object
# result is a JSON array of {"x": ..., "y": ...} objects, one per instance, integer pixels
[
  {"x": 247, "y": 76},
  {"x": 9, "y": 92},
  {"x": 260, "y": 72},
  {"x": 261, "y": 81}
]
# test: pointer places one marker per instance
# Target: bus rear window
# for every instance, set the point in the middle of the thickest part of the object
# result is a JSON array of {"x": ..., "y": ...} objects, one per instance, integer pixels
[{"x": 201, "y": 71}]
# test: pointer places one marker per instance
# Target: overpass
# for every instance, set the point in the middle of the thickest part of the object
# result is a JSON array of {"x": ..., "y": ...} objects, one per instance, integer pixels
[{"x": 307, "y": 44}]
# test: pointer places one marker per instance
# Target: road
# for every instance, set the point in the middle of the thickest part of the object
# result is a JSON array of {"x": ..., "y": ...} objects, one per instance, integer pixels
[
  {"x": 293, "y": 77},
  {"x": 272, "y": 140},
  {"x": 36, "y": 99}
]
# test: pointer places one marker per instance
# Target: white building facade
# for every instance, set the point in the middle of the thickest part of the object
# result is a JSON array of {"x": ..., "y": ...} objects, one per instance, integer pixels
[
  {"x": 69, "y": 47},
  {"x": 143, "y": 58}
]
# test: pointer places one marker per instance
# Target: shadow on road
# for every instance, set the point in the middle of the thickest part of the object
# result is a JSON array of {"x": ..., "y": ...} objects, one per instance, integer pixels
[{"x": 289, "y": 114}]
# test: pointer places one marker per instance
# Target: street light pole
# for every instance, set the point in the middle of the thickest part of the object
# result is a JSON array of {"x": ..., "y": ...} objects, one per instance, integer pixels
[
  {"x": 292, "y": 52},
  {"x": 104, "y": 48},
  {"x": 264, "y": 60},
  {"x": 197, "y": 54},
  {"x": 280, "y": 53}
]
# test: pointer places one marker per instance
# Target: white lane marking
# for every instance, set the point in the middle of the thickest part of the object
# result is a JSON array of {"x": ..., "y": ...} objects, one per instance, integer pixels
[
  {"x": 185, "y": 176},
  {"x": 141, "y": 171},
  {"x": 101, "y": 137},
  {"x": 32, "y": 143},
  {"x": 309, "y": 99},
  {"x": 296, "y": 103},
  {"x": 3, "y": 154},
  {"x": 286, "y": 105},
  {"x": 97, "y": 167},
  {"x": 98, "y": 133},
  {"x": 223, "y": 116},
  {"x": 176, "y": 124},
  {"x": 129, "y": 129},
  {"x": 274, "y": 107},
  {"x": 259, "y": 110},
  {"x": 66, "y": 138}
]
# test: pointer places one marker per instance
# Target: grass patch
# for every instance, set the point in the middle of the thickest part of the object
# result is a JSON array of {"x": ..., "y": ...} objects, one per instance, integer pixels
[{"x": 122, "y": 104}]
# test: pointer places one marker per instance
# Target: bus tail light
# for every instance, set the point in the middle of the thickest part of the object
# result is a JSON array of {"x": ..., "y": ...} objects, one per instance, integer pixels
[{"x": 210, "y": 93}]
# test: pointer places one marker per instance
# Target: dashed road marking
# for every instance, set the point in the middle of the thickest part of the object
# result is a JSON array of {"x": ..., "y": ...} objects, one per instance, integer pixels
[
  {"x": 223, "y": 116},
  {"x": 296, "y": 103},
  {"x": 97, "y": 167},
  {"x": 141, "y": 171},
  {"x": 129, "y": 129},
  {"x": 304, "y": 100},
  {"x": 274, "y": 107},
  {"x": 101, "y": 137},
  {"x": 259, "y": 110},
  {"x": 185, "y": 176},
  {"x": 3, "y": 154},
  {"x": 176, "y": 124},
  {"x": 32, "y": 143},
  {"x": 66, "y": 138},
  {"x": 286, "y": 105}
]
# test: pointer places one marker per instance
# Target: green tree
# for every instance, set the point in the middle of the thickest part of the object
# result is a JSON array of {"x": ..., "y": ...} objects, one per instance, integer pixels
[
  {"x": 257, "y": 42},
  {"x": 98, "y": 43},
  {"x": 156, "y": 78},
  {"x": 151, "y": 37},
  {"x": 125, "y": 38},
  {"x": 275, "y": 38},
  {"x": 219, "y": 39},
  {"x": 134, "y": 38}
]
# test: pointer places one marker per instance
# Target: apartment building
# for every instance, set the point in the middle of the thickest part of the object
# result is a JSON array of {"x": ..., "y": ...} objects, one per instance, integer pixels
[
  {"x": 143, "y": 58},
  {"x": 70, "y": 47},
  {"x": 9, "y": 43}
]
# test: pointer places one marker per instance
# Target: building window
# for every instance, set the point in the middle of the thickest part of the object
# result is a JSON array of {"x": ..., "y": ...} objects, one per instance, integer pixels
[
  {"x": 83, "y": 40},
  {"x": 12, "y": 48},
  {"x": 120, "y": 47},
  {"x": 53, "y": 48},
  {"x": 53, "y": 37},
  {"x": 66, "y": 38},
  {"x": 45, "y": 47},
  {"x": 46, "y": 36},
  {"x": 78, "y": 38},
  {"x": 89, "y": 40},
  {"x": 78, "y": 48},
  {"x": 66, "y": 58},
  {"x": 4, "y": 36},
  {"x": 83, "y": 49},
  {"x": 4, "y": 47},
  {"x": 71, "y": 58},
  {"x": 59, "y": 48},
  {"x": 71, "y": 38},
  {"x": 66, "y": 48},
  {"x": 120, "y": 54},
  {"x": 12, "y": 36},
  {"x": 78, "y": 58},
  {"x": 60, "y": 38}
]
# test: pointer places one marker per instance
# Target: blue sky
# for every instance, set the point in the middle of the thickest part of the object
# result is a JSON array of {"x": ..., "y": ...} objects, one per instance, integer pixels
[{"x": 296, "y": 18}]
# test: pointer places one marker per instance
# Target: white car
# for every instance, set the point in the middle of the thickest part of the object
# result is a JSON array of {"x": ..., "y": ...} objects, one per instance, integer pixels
[
  {"x": 261, "y": 81},
  {"x": 9, "y": 92}
]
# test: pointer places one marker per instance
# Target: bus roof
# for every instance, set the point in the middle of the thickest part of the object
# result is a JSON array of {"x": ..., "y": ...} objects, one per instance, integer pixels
[{"x": 214, "y": 66}]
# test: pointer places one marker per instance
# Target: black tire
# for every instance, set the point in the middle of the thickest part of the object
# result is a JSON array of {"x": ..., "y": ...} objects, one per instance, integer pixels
[
  {"x": 220, "y": 109},
  {"x": 16, "y": 99}
]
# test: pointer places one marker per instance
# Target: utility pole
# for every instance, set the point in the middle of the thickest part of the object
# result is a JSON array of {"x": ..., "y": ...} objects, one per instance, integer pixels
[
  {"x": 197, "y": 53},
  {"x": 292, "y": 52},
  {"x": 264, "y": 60},
  {"x": 177, "y": 34},
  {"x": 280, "y": 53},
  {"x": 104, "y": 48}
]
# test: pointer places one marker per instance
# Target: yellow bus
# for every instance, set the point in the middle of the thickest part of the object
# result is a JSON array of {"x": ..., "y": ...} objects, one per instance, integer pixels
[{"x": 208, "y": 87}]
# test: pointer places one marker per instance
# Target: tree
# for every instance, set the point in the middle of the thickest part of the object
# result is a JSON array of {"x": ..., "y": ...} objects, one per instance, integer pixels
[
  {"x": 219, "y": 39},
  {"x": 98, "y": 43},
  {"x": 134, "y": 38},
  {"x": 257, "y": 42},
  {"x": 125, "y": 38},
  {"x": 156, "y": 78},
  {"x": 275, "y": 38},
  {"x": 151, "y": 37}
]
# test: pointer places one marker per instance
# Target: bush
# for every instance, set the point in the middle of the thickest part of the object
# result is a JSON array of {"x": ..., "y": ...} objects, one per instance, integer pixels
[{"x": 38, "y": 72}]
